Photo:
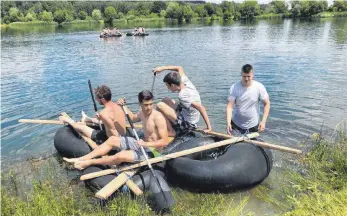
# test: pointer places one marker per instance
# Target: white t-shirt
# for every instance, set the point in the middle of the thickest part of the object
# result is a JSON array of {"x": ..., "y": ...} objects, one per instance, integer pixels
[
  {"x": 186, "y": 97},
  {"x": 246, "y": 100}
]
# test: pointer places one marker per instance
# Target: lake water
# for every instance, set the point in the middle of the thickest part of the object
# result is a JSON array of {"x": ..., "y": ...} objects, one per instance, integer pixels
[{"x": 44, "y": 71}]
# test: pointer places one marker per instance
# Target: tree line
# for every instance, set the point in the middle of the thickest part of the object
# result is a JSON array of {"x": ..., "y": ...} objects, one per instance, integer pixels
[{"x": 67, "y": 11}]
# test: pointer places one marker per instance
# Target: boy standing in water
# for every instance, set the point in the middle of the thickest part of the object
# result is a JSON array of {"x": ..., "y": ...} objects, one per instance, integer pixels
[
  {"x": 112, "y": 116},
  {"x": 184, "y": 115},
  {"x": 244, "y": 97},
  {"x": 155, "y": 138}
]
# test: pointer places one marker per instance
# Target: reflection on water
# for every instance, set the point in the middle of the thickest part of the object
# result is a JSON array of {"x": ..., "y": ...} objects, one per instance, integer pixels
[{"x": 45, "y": 71}]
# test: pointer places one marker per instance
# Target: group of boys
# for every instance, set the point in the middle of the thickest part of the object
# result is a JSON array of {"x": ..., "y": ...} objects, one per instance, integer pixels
[
  {"x": 171, "y": 118},
  {"x": 139, "y": 30}
]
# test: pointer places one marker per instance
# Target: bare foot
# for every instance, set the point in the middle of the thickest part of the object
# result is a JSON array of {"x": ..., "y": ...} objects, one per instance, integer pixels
[
  {"x": 71, "y": 160},
  {"x": 85, "y": 118},
  {"x": 66, "y": 120},
  {"x": 82, "y": 164}
]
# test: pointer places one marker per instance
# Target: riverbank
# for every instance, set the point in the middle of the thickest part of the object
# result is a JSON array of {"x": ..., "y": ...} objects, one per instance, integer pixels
[
  {"x": 317, "y": 187},
  {"x": 135, "y": 20}
]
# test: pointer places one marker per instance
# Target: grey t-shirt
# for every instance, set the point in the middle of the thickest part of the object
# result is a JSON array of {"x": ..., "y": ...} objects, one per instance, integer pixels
[
  {"x": 246, "y": 100},
  {"x": 186, "y": 97}
]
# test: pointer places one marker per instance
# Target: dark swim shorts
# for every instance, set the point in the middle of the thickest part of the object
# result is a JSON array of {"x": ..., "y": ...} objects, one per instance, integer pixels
[{"x": 99, "y": 136}]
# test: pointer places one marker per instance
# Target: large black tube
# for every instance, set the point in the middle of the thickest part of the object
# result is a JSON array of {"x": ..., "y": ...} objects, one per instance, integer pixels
[
  {"x": 69, "y": 144},
  {"x": 239, "y": 166}
]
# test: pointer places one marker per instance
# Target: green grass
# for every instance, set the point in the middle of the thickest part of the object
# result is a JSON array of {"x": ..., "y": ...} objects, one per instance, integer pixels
[
  {"x": 19, "y": 24},
  {"x": 269, "y": 16},
  {"x": 83, "y": 22},
  {"x": 49, "y": 191},
  {"x": 318, "y": 186},
  {"x": 321, "y": 188},
  {"x": 330, "y": 14}
]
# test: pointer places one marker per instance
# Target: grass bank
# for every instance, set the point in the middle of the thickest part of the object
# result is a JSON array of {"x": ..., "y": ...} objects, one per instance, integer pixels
[
  {"x": 319, "y": 187},
  {"x": 46, "y": 189},
  {"x": 32, "y": 23},
  {"x": 330, "y": 14},
  {"x": 269, "y": 16}
]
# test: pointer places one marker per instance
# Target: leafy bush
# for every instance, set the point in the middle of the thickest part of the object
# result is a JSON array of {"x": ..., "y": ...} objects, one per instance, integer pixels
[
  {"x": 46, "y": 16},
  {"x": 82, "y": 15},
  {"x": 110, "y": 14},
  {"x": 96, "y": 14}
]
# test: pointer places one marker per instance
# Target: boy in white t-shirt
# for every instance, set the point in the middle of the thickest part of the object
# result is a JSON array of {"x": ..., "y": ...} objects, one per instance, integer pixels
[
  {"x": 184, "y": 115},
  {"x": 243, "y": 99}
]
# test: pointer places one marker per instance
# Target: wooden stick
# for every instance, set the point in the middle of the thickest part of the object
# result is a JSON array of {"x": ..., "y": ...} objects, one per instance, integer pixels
[
  {"x": 38, "y": 121},
  {"x": 170, "y": 156},
  {"x": 259, "y": 143},
  {"x": 116, "y": 183},
  {"x": 42, "y": 121}
]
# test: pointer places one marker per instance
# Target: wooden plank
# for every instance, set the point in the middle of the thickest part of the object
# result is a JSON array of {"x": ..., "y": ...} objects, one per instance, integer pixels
[
  {"x": 116, "y": 183},
  {"x": 262, "y": 144},
  {"x": 171, "y": 156},
  {"x": 43, "y": 121}
]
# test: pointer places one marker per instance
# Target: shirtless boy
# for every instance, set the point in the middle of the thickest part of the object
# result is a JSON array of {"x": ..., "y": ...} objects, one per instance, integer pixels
[
  {"x": 112, "y": 116},
  {"x": 155, "y": 138}
]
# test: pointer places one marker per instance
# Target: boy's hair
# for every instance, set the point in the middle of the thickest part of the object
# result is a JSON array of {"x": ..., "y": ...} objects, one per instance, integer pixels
[
  {"x": 247, "y": 68},
  {"x": 172, "y": 78},
  {"x": 145, "y": 95},
  {"x": 103, "y": 92}
]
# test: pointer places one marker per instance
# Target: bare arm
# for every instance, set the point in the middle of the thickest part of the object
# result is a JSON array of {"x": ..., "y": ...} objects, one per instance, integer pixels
[
  {"x": 203, "y": 112},
  {"x": 266, "y": 109},
  {"x": 262, "y": 124},
  {"x": 133, "y": 117},
  {"x": 229, "y": 112},
  {"x": 179, "y": 69},
  {"x": 160, "y": 124}
]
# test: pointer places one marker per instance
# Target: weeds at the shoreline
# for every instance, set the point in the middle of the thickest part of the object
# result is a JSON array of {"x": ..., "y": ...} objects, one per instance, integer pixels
[{"x": 321, "y": 187}]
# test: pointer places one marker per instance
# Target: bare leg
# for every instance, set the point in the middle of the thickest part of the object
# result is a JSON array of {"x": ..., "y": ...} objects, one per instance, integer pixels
[
  {"x": 84, "y": 129},
  {"x": 123, "y": 156},
  {"x": 167, "y": 108},
  {"x": 101, "y": 150}
]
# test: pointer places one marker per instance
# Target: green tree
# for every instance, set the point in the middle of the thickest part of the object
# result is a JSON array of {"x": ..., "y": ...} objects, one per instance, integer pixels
[
  {"x": 37, "y": 8},
  {"x": 163, "y": 13},
  {"x": 14, "y": 14},
  {"x": 200, "y": 9},
  {"x": 249, "y": 9},
  {"x": 82, "y": 15},
  {"x": 158, "y": 6},
  {"x": 143, "y": 8},
  {"x": 110, "y": 14},
  {"x": 63, "y": 16},
  {"x": 279, "y": 6},
  {"x": 340, "y": 5},
  {"x": 59, "y": 16},
  {"x": 46, "y": 16},
  {"x": 31, "y": 16},
  {"x": 174, "y": 11},
  {"x": 209, "y": 9},
  {"x": 296, "y": 8},
  {"x": 187, "y": 12},
  {"x": 96, "y": 14},
  {"x": 228, "y": 9}
]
